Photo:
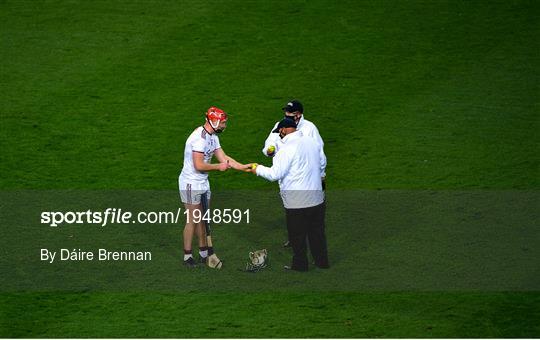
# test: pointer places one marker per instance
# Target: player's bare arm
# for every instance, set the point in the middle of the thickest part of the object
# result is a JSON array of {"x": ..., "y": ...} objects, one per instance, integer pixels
[
  {"x": 222, "y": 157},
  {"x": 201, "y": 165}
]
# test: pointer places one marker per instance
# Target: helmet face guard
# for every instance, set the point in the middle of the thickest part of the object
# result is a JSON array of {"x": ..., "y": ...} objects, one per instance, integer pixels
[
  {"x": 258, "y": 260},
  {"x": 215, "y": 116}
]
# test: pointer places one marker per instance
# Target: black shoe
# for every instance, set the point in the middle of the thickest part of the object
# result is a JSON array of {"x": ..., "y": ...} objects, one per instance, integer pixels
[
  {"x": 203, "y": 260},
  {"x": 287, "y": 244},
  {"x": 190, "y": 263},
  {"x": 322, "y": 266}
]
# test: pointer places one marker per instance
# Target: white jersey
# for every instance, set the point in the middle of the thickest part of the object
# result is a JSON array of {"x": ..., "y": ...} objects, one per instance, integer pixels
[
  {"x": 199, "y": 141},
  {"x": 307, "y": 128}
]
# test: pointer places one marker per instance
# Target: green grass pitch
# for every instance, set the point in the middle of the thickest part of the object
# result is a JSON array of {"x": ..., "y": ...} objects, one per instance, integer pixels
[{"x": 424, "y": 107}]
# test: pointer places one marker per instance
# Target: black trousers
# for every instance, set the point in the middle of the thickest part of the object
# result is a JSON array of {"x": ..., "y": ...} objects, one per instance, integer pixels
[{"x": 303, "y": 225}]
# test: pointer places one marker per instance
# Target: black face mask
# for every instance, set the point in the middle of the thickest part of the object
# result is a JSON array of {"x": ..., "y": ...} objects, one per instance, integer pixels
[{"x": 296, "y": 120}]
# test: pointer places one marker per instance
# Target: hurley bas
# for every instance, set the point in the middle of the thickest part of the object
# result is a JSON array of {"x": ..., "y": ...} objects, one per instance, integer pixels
[{"x": 102, "y": 255}]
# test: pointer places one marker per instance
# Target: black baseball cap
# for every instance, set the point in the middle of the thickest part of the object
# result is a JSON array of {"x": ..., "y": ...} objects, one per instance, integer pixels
[
  {"x": 285, "y": 123},
  {"x": 293, "y": 106}
]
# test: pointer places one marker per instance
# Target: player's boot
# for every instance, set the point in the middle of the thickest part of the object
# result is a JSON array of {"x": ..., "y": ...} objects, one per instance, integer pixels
[{"x": 190, "y": 262}]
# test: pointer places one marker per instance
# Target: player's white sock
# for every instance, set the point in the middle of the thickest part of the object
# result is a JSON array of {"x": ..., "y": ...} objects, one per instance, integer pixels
[
  {"x": 187, "y": 255},
  {"x": 203, "y": 253}
]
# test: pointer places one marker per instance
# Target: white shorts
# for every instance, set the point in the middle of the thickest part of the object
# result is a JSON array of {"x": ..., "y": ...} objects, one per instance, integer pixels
[{"x": 191, "y": 192}]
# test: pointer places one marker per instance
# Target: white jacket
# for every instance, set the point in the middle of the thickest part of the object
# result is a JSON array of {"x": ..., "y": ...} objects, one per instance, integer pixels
[
  {"x": 297, "y": 166},
  {"x": 307, "y": 128}
]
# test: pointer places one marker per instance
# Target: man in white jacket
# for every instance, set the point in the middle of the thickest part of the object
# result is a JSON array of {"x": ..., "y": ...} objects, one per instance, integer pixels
[
  {"x": 295, "y": 111},
  {"x": 298, "y": 166},
  {"x": 273, "y": 143}
]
